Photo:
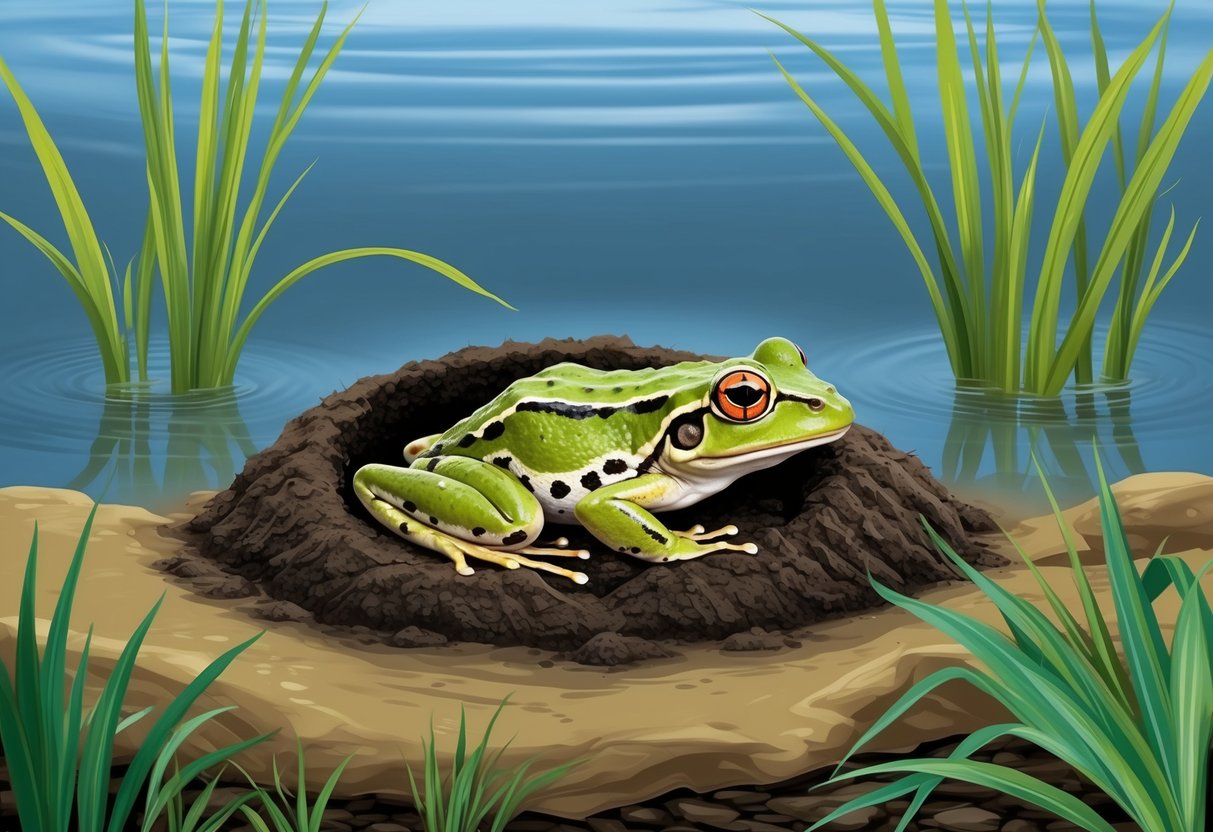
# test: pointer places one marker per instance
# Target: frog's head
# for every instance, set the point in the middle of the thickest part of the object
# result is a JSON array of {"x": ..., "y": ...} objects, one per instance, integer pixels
[{"x": 758, "y": 411}]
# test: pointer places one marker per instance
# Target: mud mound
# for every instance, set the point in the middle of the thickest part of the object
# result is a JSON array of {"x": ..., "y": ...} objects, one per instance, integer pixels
[{"x": 291, "y": 527}]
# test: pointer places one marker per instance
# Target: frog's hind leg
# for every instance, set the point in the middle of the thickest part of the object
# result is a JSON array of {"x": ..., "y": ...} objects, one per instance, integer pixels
[
  {"x": 618, "y": 515},
  {"x": 485, "y": 513}
]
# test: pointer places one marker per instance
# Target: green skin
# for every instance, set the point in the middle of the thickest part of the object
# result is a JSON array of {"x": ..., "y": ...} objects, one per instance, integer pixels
[{"x": 603, "y": 449}]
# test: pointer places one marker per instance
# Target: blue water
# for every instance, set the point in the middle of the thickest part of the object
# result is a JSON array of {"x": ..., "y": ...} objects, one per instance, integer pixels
[{"x": 622, "y": 166}]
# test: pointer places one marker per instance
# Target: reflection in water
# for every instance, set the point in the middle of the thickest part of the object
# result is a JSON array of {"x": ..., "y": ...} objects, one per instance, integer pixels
[
  {"x": 1057, "y": 433},
  {"x": 206, "y": 439}
]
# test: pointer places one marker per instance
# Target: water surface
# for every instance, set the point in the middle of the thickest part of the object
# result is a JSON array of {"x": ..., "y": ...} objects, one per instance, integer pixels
[{"x": 614, "y": 167}]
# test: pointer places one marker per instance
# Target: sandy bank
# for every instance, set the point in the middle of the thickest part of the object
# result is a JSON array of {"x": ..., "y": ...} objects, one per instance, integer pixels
[{"x": 704, "y": 719}]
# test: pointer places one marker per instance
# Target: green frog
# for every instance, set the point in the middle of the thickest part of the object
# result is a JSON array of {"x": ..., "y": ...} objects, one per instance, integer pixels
[{"x": 605, "y": 450}]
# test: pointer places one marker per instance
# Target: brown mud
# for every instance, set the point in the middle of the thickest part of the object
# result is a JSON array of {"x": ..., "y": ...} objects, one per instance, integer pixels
[{"x": 289, "y": 532}]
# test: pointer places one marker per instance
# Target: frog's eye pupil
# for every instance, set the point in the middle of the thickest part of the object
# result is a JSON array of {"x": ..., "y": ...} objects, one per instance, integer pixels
[
  {"x": 746, "y": 394},
  {"x": 742, "y": 395},
  {"x": 816, "y": 404}
]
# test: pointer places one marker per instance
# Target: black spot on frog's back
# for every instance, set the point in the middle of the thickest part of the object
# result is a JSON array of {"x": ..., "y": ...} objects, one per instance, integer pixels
[
  {"x": 560, "y": 489},
  {"x": 614, "y": 466}
]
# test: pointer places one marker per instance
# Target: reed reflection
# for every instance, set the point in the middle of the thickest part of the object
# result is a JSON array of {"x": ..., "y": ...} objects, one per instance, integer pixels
[
  {"x": 151, "y": 448},
  {"x": 992, "y": 439}
]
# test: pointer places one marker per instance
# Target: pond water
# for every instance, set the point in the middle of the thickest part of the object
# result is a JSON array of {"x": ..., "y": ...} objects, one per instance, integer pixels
[{"x": 618, "y": 166}]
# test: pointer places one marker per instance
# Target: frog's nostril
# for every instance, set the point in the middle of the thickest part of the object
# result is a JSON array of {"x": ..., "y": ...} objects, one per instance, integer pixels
[{"x": 816, "y": 404}]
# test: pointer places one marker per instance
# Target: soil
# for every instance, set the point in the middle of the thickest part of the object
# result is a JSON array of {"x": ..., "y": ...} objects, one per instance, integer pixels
[
  {"x": 289, "y": 528},
  {"x": 790, "y": 805}
]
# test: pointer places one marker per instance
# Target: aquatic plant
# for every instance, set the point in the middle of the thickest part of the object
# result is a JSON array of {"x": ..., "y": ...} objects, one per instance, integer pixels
[
  {"x": 204, "y": 275},
  {"x": 1139, "y": 727},
  {"x": 983, "y": 334},
  {"x": 476, "y": 786},
  {"x": 302, "y": 817},
  {"x": 60, "y": 756}
]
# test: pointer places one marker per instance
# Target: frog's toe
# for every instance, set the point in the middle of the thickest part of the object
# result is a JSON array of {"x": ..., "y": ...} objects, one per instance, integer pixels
[
  {"x": 514, "y": 559},
  {"x": 584, "y": 554},
  {"x": 721, "y": 546},
  {"x": 455, "y": 552},
  {"x": 543, "y": 566},
  {"x": 697, "y": 532}
]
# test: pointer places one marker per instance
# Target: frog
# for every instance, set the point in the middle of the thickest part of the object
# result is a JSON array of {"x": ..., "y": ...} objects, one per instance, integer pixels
[{"x": 606, "y": 450}]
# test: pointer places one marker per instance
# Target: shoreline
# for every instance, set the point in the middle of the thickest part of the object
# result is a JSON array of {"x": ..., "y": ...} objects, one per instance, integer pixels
[{"x": 705, "y": 719}]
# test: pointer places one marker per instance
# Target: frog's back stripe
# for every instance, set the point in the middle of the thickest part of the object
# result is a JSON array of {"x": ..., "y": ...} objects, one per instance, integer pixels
[
  {"x": 585, "y": 411},
  {"x": 495, "y": 428}
]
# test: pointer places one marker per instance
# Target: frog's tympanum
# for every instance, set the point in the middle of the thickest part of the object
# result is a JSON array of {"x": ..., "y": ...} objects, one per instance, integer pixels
[{"x": 603, "y": 449}]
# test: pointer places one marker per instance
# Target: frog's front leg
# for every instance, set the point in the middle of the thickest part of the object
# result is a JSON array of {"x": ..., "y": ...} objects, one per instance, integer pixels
[
  {"x": 462, "y": 508},
  {"x": 616, "y": 515}
]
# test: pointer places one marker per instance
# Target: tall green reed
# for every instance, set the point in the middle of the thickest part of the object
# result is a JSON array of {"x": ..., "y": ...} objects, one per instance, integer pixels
[
  {"x": 60, "y": 756},
  {"x": 1140, "y": 727},
  {"x": 204, "y": 269},
  {"x": 979, "y": 288}
]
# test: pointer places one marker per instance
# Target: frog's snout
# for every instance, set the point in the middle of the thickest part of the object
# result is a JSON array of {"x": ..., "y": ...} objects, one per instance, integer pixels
[{"x": 842, "y": 407}]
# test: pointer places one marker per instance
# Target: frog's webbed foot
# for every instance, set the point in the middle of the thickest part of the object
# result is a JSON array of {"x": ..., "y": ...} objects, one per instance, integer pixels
[
  {"x": 456, "y": 549},
  {"x": 460, "y": 550},
  {"x": 697, "y": 534}
]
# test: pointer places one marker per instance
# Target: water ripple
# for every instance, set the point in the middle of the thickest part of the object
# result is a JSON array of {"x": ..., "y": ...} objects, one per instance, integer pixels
[
  {"x": 57, "y": 400},
  {"x": 908, "y": 371}
]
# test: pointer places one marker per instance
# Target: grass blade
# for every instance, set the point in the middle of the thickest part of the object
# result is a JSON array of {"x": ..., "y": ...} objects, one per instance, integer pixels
[
  {"x": 445, "y": 269},
  {"x": 89, "y": 277},
  {"x": 1191, "y": 691},
  {"x": 963, "y": 329},
  {"x": 958, "y": 356},
  {"x": 966, "y": 190},
  {"x": 1004, "y": 780},
  {"x": 1075, "y": 189},
  {"x": 1068, "y": 131},
  {"x": 1136, "y": 200}
]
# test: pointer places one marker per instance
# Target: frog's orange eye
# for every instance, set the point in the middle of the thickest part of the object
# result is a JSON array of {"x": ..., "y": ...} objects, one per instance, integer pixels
[{"x": 742, "y": 395}]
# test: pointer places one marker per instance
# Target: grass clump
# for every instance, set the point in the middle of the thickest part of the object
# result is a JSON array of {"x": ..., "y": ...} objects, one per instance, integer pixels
[
  {"x": 204, "y": 269},
  {"x": 1139, "y": 727},
  {"x": 60, "y": 755},
  {"x": 301, "y": 816},
  {"x": 979, "y": 287},
  {"x": 293, "y": 814},
  {"x": 476, "y": 786}
]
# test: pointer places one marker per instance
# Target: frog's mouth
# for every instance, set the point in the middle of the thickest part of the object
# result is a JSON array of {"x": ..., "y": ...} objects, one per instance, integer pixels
[{"x": 753, "y": 455}]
